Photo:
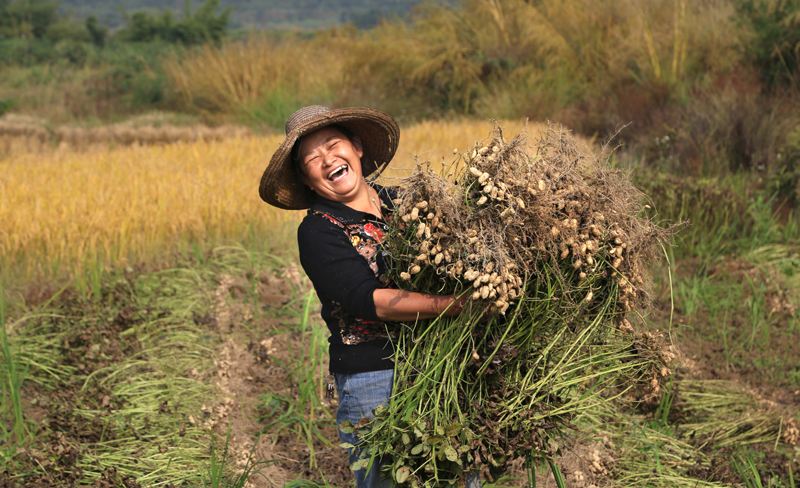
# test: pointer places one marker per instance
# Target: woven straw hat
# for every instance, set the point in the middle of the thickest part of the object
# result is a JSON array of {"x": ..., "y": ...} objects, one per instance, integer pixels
[{"x": 379, "y": 134}]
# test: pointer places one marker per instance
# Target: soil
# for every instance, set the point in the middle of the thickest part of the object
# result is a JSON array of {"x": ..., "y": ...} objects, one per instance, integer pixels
[
  {"x": 254, "y": 352},
  {"x": 61, "y": 432},
  {"x": 702, "y": 357},
  {"x": 251, "y": 363}
]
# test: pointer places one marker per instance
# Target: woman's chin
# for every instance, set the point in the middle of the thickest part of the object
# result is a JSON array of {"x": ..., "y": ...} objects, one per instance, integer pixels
[
  {"x": 341, "y": 192},
  {"x": 346, "y": 186}
]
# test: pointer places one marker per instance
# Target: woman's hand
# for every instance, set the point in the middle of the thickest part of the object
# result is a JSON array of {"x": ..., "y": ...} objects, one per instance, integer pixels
[{"x": 402, "y": 305}]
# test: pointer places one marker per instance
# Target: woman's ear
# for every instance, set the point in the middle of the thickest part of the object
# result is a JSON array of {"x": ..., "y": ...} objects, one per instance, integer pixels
[
  {"x": 301, "y": 174},
  {"x": 356, "y": 141},
  {"x": 304, "y": 179}
]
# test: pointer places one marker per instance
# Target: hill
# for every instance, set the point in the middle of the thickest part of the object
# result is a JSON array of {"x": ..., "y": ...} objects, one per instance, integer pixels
[{"x": 255, "y": 13}]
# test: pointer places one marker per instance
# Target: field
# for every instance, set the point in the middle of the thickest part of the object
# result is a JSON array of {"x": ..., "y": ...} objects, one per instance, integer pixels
[{"x": 158, "y": 330}]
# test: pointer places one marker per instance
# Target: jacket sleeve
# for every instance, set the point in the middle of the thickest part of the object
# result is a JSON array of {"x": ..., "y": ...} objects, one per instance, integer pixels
[{"x": 338, "y": 272}]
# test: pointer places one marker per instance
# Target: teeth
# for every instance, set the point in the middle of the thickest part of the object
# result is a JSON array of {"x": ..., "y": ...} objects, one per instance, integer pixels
[{"x": 337, "y": 170}]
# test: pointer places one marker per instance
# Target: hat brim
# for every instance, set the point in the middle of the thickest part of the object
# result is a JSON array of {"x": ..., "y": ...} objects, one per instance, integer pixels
[{"x": 379, "y": 136}]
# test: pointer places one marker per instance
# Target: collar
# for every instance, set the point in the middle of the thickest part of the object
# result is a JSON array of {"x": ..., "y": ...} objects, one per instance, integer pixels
[{"x": 348, "y": 215}]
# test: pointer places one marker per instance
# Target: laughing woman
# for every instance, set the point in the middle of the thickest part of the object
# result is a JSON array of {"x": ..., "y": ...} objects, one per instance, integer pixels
[{"x": 321, "y": 166}]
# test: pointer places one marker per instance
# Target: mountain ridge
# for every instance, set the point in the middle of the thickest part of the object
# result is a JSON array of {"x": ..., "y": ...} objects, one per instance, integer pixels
[{"x": 254, "y": 14}]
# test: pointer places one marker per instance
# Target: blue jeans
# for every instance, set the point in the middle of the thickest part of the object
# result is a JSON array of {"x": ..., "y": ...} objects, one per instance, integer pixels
[{"x": 359, "y": 395}]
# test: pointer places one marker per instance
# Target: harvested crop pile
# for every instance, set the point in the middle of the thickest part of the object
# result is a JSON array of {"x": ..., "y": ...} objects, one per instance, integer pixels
[{"x": 547, "y": 244}]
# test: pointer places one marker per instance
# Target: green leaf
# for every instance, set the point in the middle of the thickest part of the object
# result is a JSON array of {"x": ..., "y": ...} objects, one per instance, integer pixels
[
  {"x": 402, "y": 474},
  {"x": 346, "y": 445},
  {"x": 434, "y": 440},
  {"x": 450, "y": 453},
  {"x": 453, "y": 430},
  {"x": 360, "y": 464},
  {"x": 346, "y": 427},
  {"x": 406, "y": 439},
  {"x": 417, "y": 450}
]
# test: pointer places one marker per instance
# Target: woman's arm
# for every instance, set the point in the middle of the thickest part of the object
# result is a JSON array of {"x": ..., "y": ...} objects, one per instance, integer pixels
[
  {"x": 342, "y": 275},
  {"x": 401, "y": 305}
]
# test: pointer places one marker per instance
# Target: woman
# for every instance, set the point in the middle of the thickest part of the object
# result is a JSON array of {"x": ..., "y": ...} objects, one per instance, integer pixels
[{"x": 321, "y": 166}]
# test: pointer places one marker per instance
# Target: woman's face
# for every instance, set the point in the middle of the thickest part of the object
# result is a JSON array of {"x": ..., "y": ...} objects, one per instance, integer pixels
[{"x": 331, "y": 164}]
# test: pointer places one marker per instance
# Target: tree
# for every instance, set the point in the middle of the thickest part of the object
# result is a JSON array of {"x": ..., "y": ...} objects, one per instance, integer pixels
[
  {"x": 203, "y": 25},
  {"x": 97, "y": 33},
  {"x": 775, "y": 47},
  {"x": 26, "y": 18}
]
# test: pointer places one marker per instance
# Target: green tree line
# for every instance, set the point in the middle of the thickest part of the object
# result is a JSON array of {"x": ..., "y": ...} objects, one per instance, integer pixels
[{"x": 40, "y": 19}]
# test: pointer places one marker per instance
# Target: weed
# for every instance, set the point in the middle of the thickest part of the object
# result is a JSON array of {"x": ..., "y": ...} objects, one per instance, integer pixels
[
  {"x": 746, "y": 468},
  {"x": 720, "y": 413},
  {"x": 251, "y": 78},
  {"x": 11, "y": 388},
  {"x": 127, "y": 376},
  {"x": 303, "y": 413},
  {"x": 776, "y": 41},
  {"x": 304, "y": 484},
  {"x": 218, "y": 477}
]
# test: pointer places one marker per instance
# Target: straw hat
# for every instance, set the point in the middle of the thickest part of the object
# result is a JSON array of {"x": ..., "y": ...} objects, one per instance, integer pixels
[{"x": 379, "y": 134}]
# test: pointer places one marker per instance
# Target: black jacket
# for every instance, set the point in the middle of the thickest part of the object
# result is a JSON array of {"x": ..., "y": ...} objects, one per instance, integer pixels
[{"x": 340, "y": 252}]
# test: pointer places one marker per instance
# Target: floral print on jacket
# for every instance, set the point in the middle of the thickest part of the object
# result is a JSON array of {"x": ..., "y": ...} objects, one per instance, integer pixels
[{"x": 366, "y": 238}]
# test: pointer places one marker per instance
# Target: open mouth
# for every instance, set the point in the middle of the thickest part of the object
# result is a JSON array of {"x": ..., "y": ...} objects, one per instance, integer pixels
[{"x": 339, "y": 172}]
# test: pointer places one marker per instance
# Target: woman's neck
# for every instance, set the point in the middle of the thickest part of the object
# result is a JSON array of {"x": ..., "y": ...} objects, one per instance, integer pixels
[{"x": 365, "y": 200}]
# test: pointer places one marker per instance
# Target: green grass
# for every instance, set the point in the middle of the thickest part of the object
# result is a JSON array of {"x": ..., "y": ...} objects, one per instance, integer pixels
[
  {"x": 115, "y": 354},
  {"x": 219, "y": 475},
  {"x": 301, "y": 413},
  {"x": 12, "y": 382},
  {"x": 743, "y": 306},
  {"x": 128, "y": 366},
  {"x": 719, "y": 216},
  {"x": 736, "y": 274}
]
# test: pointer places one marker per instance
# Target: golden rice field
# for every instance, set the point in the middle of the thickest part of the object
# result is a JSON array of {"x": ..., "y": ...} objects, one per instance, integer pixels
[{"x": 64, "y": 209}]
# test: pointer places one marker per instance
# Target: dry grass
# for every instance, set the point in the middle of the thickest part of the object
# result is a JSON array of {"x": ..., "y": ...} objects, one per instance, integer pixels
[
  {"x": 496, "y": 58},
  {"x": 20, "y": 134},
  {"x": 238, "y": 77},
  {"x": 64, "y": 209}
]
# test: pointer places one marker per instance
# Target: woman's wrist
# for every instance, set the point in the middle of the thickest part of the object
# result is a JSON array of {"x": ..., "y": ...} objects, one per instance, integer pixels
[
  {"x": 392, "y": 304},
  {"x": 454, "y": 304}
]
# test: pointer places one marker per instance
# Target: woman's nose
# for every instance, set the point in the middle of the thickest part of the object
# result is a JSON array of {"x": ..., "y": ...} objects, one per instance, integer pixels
[{"x": 328, "y": 158}]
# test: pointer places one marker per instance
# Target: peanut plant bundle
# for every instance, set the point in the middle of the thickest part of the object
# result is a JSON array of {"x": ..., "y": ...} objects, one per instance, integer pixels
[{"x": 547, "y": 245}]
